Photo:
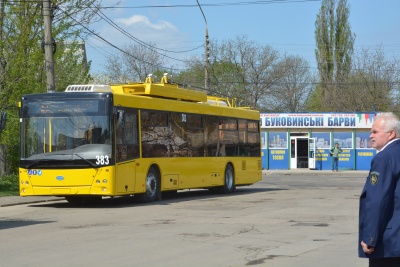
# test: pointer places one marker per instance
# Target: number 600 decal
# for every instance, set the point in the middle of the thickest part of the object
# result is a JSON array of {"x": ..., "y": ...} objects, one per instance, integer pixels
[{"x": 102, "y": 160}]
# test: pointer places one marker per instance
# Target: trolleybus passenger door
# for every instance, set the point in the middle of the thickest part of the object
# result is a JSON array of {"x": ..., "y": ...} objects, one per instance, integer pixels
[
  {"x": 311, "y": 153},
  {"x": 127, "y": 150}
]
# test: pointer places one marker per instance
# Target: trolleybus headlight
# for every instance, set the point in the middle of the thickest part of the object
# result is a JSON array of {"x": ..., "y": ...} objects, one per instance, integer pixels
[
  {"x": 105, "y": 181},
  {"x": 104, "y": 189},
  {"x": 97, "y": 181},
  {"x": 22, "y": 182}
]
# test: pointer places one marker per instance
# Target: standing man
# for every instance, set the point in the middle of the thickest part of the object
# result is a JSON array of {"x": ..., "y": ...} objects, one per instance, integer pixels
[
  {"x": 379, "y": 221},
  {"x": 335, "y": 157}
]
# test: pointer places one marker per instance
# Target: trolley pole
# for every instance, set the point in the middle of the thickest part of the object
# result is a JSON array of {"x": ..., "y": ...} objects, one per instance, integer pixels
[{"x": 48, "y": 47}]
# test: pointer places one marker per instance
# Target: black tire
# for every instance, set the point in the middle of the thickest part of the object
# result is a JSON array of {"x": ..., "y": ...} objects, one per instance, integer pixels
[
  {"x": 229, "y": 181},
  {"x": 153, "y": 187}
]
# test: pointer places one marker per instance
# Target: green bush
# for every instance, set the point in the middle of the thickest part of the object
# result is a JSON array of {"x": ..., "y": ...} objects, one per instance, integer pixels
[{"x": 9, "y": 183}]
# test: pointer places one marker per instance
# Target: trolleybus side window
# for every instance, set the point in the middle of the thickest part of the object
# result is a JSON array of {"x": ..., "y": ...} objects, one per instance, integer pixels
[
  {"x": 178, "y": 146},
  {"x": 157, "y": 136},
  {"x": 195, "y": 135},
  {"x": 229, "y": 137},
  {"x": 211, "y": 135},
  {"x": 243, "y": 144},
  {"x": 127, "y": 136},
  {"x": 254, "y": 138}
]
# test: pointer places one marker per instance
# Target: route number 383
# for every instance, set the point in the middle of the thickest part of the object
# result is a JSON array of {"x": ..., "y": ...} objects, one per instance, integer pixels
[{"x": 102, "y": 160}]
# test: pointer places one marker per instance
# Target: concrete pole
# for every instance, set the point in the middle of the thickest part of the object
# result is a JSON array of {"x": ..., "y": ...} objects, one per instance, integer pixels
[
  {"x": 48, "y": 47},
  {"x": 206, "y": 82}
]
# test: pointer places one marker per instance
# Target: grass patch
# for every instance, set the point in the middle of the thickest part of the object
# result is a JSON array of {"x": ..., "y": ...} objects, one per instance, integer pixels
[{"x": 9, "y": 185}]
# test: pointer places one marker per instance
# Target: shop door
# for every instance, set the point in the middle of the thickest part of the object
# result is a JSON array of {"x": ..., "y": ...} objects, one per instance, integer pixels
[
  {"x": 298, "y": 152},
  {"x": 293, "y": 152},
  {"x": 302, "y": 152},
  {"x": 311, "y": 154}
]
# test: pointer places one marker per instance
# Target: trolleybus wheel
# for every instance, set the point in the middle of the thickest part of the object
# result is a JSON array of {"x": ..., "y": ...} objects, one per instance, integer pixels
[
  {"x": 153, "y": 186},
  {"x": 229, "y": 181}
]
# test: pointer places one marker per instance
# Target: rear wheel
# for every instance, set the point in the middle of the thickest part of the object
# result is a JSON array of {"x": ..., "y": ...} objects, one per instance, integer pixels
[
  {"x": 229, "y": 181},
  {"x": 153, "y": 186}
]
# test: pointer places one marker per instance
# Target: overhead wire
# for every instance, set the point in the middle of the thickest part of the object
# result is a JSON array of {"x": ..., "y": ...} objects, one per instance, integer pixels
[
  {"x": 114, "y": 46},
  {"x": 221, "y": 4},
  {"x": 153, "y": 48}
]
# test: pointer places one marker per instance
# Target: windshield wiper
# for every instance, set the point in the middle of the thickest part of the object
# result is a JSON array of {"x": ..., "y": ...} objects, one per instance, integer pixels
[
  {"x": 87, "y": 161},
  {"x": 79, "y": 156},
  {"x": 36, "y": 162}
]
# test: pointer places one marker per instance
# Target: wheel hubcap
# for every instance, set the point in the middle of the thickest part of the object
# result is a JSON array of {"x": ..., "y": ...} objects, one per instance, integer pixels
[{"x": 151, "y": 184}]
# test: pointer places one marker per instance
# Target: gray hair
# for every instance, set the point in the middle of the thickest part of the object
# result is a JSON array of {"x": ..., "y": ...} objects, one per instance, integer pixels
[{"x": 392, "y": 122}]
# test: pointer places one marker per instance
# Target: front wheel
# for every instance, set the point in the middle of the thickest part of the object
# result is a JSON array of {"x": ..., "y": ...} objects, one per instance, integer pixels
[
  {"x": 229, "y": 181},
  {"x": 153, "y": 186}
]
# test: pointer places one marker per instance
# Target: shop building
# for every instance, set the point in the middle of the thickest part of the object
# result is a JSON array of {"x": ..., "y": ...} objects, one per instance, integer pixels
[{"x": 303, "y": 140}]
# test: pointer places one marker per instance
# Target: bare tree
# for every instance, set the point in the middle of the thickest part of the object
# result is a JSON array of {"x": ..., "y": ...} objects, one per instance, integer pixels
[
  {"x": 251, "y": 73},
  {"x": 373, "y": 84},
  {"x": 134, "y": 63},
  {"x": 294, "y": 87},
  {"x": 255, "y": 75}
]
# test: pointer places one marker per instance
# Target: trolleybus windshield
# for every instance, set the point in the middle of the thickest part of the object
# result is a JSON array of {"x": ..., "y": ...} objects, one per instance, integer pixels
[{"x": 65, "y": 132}]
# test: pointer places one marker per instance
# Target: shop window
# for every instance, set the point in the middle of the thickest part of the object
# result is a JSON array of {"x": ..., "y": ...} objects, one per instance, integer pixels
[
  {"x": 322, "y": 140},
  {"x": 362, "y": 140},
  {"x": 277, "y": 140},
  {"x": 344, "y": 139}
]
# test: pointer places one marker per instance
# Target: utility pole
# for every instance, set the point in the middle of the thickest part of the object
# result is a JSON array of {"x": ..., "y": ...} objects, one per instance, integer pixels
[
  {"x": 48, "y": 47},
  {"x": 3, "y": 62},
  {"x": 206, "y": 79},
  {"x": 207, "y": 62}
]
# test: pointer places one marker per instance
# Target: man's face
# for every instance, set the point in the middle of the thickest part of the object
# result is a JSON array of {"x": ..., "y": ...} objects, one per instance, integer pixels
[{"x": 379, "y": 135}]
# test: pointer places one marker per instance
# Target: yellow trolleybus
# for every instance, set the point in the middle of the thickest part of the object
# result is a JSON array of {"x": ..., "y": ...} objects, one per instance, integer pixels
[{"x": 139, "y": 139}]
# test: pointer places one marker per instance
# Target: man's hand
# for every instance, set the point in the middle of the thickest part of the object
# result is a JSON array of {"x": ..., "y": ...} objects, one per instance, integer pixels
[{"x": 367, "y": 249}]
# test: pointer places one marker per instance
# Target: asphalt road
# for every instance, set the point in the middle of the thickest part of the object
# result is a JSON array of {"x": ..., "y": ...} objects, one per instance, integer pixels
[{"x": 289, "y": 218}]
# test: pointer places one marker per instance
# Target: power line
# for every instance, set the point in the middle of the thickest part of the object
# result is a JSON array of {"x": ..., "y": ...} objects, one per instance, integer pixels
[
  {"x": 114, "y": 25},
  {"x": 219, "y": 4},
  {"x": 114, "y": 46},
  {"x": 242, "y": 3}
]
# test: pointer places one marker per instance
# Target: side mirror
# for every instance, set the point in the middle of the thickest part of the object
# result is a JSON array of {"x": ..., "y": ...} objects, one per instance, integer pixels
[{"x": 3, "y": 118}]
